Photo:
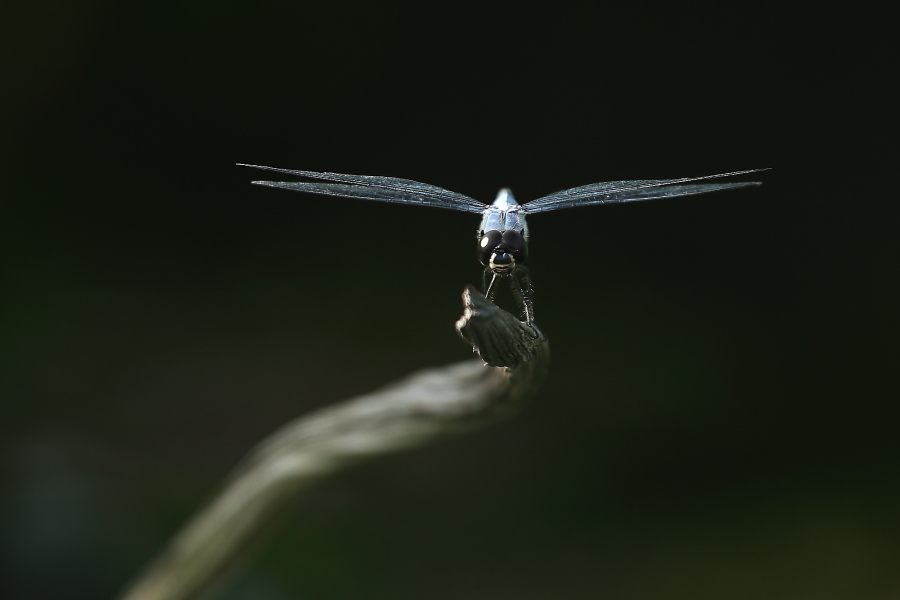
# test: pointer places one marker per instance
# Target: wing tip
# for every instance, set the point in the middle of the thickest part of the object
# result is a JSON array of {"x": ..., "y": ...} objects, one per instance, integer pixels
[{"x": 734, "y": 173}]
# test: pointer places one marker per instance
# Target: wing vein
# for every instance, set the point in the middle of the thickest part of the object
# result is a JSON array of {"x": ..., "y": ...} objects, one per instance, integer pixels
[
  {"x": 394, "y": 184},
  {"x": 629, "y": 191},
  {"x": 362, "y": 192}
]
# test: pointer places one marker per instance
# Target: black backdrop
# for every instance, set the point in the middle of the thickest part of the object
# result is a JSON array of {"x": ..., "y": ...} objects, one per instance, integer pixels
[{"x": 720, "y": 419}]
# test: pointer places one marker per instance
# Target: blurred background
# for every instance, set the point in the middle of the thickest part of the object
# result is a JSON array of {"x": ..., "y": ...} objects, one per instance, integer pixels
[{"x": 721, "y": 416}]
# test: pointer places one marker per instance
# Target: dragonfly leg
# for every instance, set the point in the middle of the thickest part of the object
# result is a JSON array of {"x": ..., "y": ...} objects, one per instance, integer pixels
[
  {"x": 489, "y": 279},
  {"x": 523, "y": 293}
]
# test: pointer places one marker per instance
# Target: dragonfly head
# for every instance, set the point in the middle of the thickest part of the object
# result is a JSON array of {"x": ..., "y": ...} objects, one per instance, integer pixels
[{"x": 502, "y": 250}]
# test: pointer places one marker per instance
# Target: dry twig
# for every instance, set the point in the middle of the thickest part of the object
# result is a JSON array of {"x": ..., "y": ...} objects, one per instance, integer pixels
[{"x": 416, "y": 410}]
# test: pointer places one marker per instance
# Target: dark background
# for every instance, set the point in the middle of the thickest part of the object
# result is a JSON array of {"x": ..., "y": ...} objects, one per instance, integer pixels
[{"x": 720, "y": 421}]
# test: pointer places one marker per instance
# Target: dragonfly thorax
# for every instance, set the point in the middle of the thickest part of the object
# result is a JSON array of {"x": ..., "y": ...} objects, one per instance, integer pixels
[{"x": 503, "y": 235}]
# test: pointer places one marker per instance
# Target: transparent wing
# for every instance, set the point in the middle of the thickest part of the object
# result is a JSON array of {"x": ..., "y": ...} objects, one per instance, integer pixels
[
  {"x": 631, "y": 191},
  {"x": 655, "y": 193},
  {"x": 372, "y": 187},
  {"x": 362, "y": 192}
]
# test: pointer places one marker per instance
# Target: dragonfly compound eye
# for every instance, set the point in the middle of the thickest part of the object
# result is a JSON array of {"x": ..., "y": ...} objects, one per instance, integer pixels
[
  {"x": 516, "y": 244},
  {"x": 486, "y": 245}
]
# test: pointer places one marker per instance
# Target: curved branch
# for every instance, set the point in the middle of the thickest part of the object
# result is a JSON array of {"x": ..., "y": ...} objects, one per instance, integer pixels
[{"x": 421, "y": 408}]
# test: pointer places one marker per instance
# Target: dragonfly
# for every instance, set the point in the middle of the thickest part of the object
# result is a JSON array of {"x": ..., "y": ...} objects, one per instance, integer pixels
[{"x": 503, "y": 233}]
